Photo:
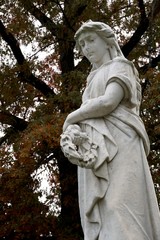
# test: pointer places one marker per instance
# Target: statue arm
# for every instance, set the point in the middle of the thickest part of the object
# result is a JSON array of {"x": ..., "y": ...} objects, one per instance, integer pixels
[{"x": 97, "y": 107}]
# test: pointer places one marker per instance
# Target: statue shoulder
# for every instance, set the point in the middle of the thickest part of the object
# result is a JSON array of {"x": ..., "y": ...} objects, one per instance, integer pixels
[
  {"x": 123, "y": 64},
  {"x": 122, "y": 60}
]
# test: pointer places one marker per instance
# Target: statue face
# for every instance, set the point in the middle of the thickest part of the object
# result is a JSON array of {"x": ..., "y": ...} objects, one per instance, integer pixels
[{"x": 93, "y": 47}]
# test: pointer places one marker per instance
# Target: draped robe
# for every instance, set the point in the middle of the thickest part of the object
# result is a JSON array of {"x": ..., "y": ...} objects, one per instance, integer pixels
[{"x": 116, "y": 197}]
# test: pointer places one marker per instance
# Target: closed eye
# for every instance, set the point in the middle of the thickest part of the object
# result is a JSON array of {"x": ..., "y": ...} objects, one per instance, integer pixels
[
  {"x": 91, "y": 40},
  {"x": 81, "y": 43}
]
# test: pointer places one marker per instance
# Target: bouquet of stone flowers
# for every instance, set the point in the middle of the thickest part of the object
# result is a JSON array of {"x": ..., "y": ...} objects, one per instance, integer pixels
[{"x": 78, "y": 147}]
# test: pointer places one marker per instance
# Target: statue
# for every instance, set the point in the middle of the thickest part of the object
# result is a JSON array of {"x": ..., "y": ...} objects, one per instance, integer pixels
[{"x": 107, "y": 139}]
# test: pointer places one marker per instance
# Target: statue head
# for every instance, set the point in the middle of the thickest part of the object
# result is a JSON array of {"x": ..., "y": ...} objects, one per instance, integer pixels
[{"x": 104, "y": 32}]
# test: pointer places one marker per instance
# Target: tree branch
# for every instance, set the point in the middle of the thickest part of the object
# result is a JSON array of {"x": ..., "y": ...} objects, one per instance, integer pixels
[
  {"x": 143, "y": 25},
  {"x": 155, "y": 9},
  {"x": 40, "y": 16},
  {"x": 9, "y": 119},
  {"x": 13, "y": 43},
  {"x": 154, "y": 62},
  {"x": 28, "y": 77},
  {"x": 80, "y": 8},
  {"x": 10, "y": 136},
  {"x": 24, "y": 73},
  {"x": 16, "y": 123},
  {"x": 141, "y": 29},
  {"x": 64, "y": 13},
  {"x": 77, "y": 9},
  {"x": 142, "y": 8}
]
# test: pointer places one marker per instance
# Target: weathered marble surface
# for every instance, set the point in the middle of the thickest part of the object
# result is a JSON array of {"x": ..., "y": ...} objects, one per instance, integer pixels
[{"x": 116, "y": 194}]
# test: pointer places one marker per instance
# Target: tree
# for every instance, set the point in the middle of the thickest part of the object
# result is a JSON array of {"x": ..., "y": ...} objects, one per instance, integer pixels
[{"x": 37, "y": 94}]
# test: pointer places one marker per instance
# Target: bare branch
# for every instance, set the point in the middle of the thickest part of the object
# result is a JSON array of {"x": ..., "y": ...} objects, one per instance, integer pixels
[
  {"x": 28, "y": 77},
  {"x": 17, "y": 124},
  {"x": 77, "y": 7},
  {"x": 143, "y": 25},
  {"x": 154, "y": 62},
  {"x": 64, "y": 14},
  {"x": 24, "y": 74},
  {"x": 155, "y": 8},
  {"x": 142, "y": 8},
  {"x": 13, "y": 43},
  {"x": 141, "y": 29},
  {"x": 9, "y": 119},
  {"x": 39, "y": 15},
  {"x": 9, "y": 137}
]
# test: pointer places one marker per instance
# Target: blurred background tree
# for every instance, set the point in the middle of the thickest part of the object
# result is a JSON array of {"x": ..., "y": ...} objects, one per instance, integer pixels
[{"x": 41, "y": 80}]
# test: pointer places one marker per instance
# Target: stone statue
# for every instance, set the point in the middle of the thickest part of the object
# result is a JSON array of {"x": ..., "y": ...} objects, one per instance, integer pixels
[{"x": 107, "y": 139}]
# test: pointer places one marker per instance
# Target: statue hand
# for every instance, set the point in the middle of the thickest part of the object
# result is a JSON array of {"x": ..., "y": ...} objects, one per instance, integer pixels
[
  {"x": 66, "y": 124},
  {"x": 73, "y": 118}
]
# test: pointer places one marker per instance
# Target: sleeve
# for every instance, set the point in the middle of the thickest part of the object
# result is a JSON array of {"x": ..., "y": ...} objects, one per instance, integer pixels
[
  {"x": 125, "y": 74},
  {"x": 103, "y": 104}
]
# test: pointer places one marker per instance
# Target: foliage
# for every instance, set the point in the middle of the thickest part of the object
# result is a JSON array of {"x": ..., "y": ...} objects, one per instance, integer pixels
[{"x": 41, "y": 80}]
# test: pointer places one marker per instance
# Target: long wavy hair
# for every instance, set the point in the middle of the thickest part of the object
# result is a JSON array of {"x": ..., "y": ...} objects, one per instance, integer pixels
[{"x": 105, "y": 32}]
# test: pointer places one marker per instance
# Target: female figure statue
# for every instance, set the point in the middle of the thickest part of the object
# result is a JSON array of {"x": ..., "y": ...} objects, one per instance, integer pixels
[{"x": 107, "y": 139}]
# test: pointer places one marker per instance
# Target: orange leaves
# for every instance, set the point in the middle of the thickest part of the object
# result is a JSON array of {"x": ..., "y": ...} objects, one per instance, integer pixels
[
  {"x": 151, "y": 98},
  {"x": 48, "y": 69},
  {"x": 38, "y": 140}
]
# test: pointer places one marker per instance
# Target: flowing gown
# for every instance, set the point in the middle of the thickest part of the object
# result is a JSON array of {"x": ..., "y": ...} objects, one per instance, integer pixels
[{"x": 117, "y": 198}]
